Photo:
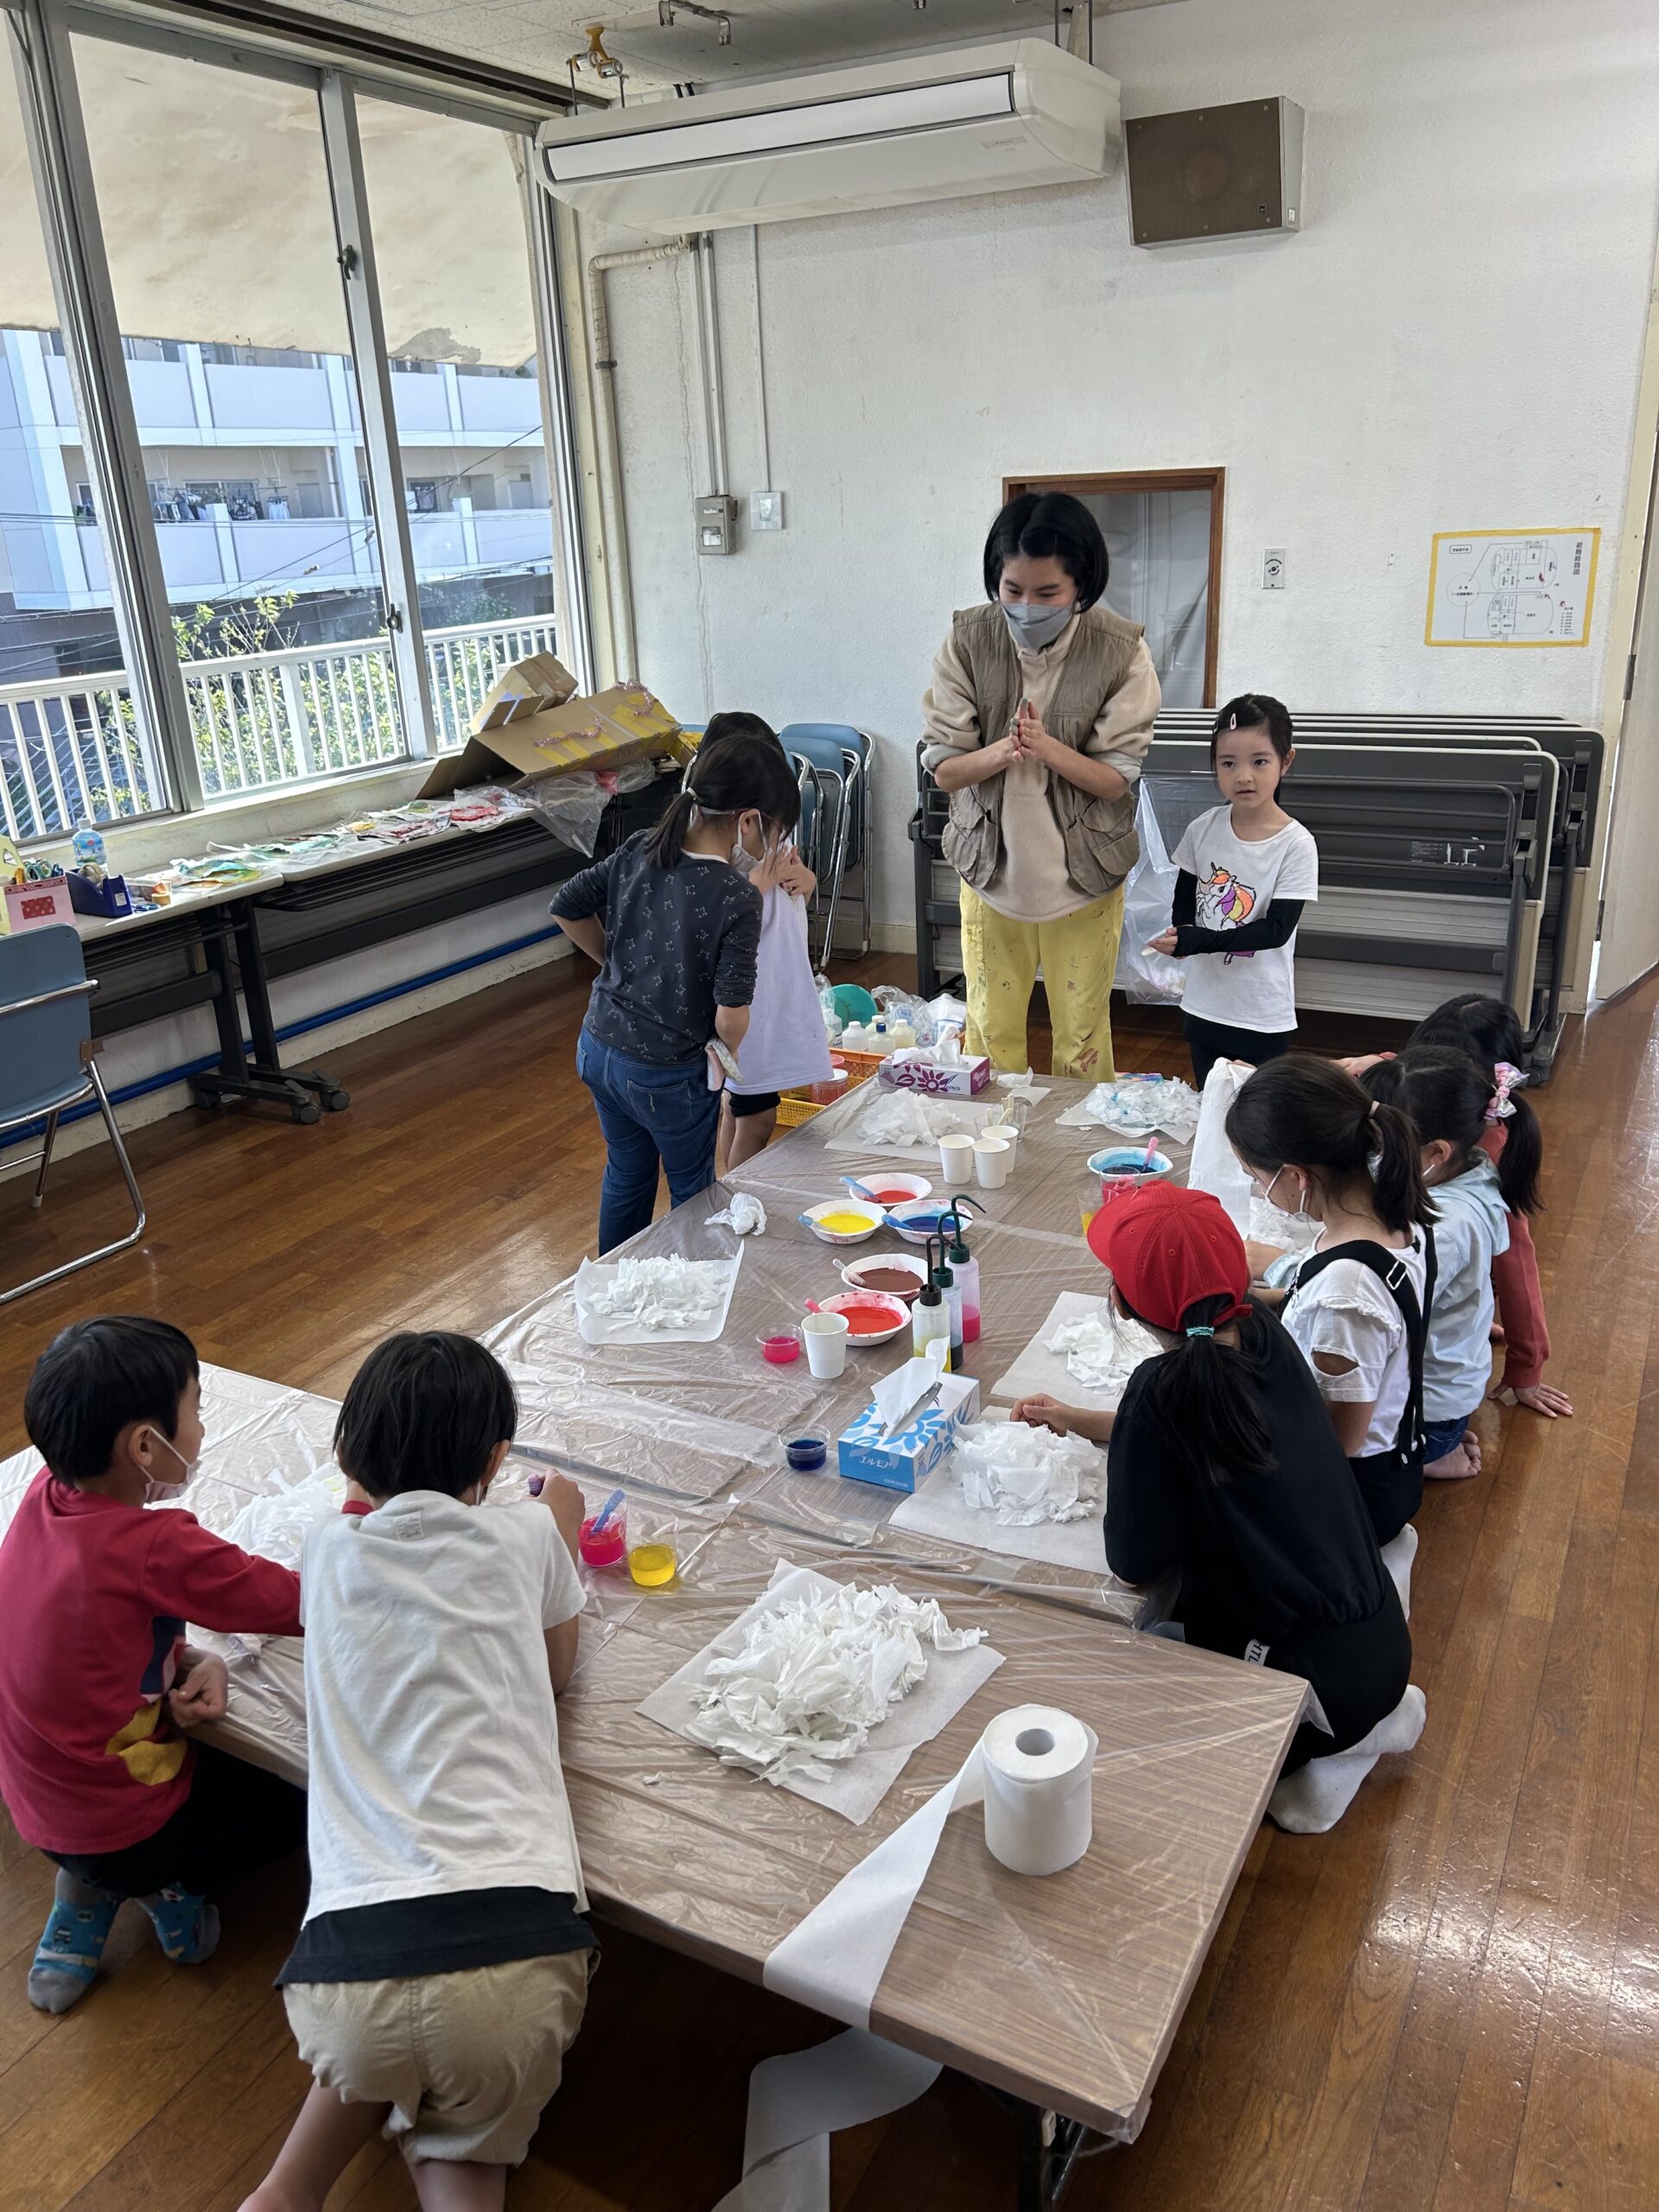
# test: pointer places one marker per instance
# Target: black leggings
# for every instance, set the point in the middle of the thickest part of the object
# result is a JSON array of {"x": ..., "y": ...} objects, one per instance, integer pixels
[
  {"x": 237, "y": 1819},
  {"x": 1209, "y": 1041}
]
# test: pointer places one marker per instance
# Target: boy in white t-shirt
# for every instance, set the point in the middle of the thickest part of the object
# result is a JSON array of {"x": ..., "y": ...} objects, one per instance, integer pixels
[
  {"x": 442, "y": 1970},
  {"x": 1245, "y": 872}
]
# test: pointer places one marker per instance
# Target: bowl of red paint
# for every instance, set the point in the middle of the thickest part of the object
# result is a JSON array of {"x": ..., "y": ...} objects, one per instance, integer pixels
[{"x": 871, "y": 1318}]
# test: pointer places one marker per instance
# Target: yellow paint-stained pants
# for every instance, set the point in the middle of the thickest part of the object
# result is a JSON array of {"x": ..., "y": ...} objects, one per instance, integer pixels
[{"x": 1079, "y": 956}]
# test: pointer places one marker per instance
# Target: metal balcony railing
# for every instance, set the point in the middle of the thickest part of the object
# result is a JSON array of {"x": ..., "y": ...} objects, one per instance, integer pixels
[{"x": 71, "y": 754}]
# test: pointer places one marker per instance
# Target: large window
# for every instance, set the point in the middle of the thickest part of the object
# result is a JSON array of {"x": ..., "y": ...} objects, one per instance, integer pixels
[
  {"x": 296, "y": 623},
  {"x": 247, "y": 409},
  {"x": 448, "y": 212},
  {"x": 1163, "y": 532},
  {"x": 71, "y": 747}
]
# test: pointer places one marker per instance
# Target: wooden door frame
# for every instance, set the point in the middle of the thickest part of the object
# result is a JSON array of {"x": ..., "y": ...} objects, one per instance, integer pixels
[{"x": 1133, "y": 481}]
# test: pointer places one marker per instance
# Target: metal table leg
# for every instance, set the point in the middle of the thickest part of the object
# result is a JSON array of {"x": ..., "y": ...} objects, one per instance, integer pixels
[
  {"x": 256, "y": 992},
  {"x": 236, "y": 1076},
  {"x": 1046, "y": 2151}
]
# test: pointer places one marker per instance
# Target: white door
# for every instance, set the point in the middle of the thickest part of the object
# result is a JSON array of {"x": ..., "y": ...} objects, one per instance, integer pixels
[{"x": 1629, "y": 921}]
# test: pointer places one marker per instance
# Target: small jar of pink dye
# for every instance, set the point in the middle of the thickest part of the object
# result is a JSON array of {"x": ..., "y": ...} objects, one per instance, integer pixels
[
  {"x": 610, "y": 1546},
  {"x": 779, "y": 1351}
]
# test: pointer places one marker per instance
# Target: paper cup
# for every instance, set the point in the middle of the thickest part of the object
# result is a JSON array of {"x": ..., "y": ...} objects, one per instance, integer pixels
[
  {"x": 992, "y": 1160},
  {"x": 956, "y": 1161},
  {"x": 1006, "y": 1133},
  {"x": 825, "y": 1338}
]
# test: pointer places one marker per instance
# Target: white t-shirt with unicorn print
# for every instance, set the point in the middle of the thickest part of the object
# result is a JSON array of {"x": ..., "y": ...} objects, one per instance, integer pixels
[{"x": 1237, "y": 882}]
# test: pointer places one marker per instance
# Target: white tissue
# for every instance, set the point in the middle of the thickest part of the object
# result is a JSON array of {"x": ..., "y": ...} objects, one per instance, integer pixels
[
  {"x": 277, "y": 1525},
  {"x": 1101, "y": 1354},
  {"x": 745, "y": 1217},
  {"x": 665, "y": 1294},
  {"x": 905, "y": 1118},
  {"x": 896, "y": 1394},
  {"x": 814, "y": 1675},
  {"x": 1135, "y": 1107},
  {"x": 1027, "y": 1475},
  {"x": 1267, "y": 1224}
]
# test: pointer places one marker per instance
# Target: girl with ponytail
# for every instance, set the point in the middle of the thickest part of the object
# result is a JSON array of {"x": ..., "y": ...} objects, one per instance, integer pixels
[
  {"x": 1224, "y": 1470},
  {"x": 675, "y": 925},
  {"x": 1453, "y": 1102},
  {"x": 1357, "y": 1302}
]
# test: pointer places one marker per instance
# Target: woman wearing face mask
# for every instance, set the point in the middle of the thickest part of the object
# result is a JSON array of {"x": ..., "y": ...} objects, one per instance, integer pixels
[{"x": 1038, "y": 719}]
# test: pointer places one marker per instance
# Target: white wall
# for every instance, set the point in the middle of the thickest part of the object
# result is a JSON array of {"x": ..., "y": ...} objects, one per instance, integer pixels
[{"x": 1451, "y": 343}]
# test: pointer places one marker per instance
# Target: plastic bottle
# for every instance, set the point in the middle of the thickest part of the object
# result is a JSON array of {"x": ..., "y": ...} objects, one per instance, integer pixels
[
  {"x": 855, "y": 1037},
  {"x": 901, "y": 1036},
  {"x": 929, "y": 1317},
  {"x": 965, "y": 1268},
  {"x": 945, "y": 1281}
]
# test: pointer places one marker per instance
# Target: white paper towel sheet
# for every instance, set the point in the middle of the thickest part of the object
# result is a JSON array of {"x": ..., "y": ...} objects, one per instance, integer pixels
[
  {"x": 622, "y": 1328},
  {"x": 1038, "y": 1369},
  {"x": 841, "y": 1125},
  {"x": 855, "y": 1790},
  {"x": 938, "y": 1509}
]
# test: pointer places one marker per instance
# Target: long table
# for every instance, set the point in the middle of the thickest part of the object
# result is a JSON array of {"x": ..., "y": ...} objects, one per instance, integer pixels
[{"x": 1062, "y": 1995}]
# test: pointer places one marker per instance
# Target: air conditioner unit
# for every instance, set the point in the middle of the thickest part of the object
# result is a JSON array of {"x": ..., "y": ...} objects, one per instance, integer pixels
[{"x": 1007, "y": 116}]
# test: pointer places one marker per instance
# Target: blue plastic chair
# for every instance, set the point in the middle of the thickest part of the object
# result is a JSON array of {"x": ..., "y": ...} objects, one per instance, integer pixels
[{"x": 47, "y": 1066}]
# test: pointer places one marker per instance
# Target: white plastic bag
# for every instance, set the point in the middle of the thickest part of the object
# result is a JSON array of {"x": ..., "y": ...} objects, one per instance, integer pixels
[
  {"x": 1149, "y": 978},
  {"x": 1216, "y": 1166}
]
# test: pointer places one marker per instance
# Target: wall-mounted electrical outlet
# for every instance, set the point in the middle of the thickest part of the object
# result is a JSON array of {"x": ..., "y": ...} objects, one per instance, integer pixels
[
  {"x": 766, "y": 510},
  {"x": 1273, "y": 569}
]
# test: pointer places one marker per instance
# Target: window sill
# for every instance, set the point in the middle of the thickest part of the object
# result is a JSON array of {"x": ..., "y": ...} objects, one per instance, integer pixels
[{"x": 250, "y": 818}]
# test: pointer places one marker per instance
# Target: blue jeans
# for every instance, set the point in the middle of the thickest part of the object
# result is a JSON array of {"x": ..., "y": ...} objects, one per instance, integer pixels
[
  {"x": 648, "y": 1113},
  {"x": 1440, "y": 1437}
]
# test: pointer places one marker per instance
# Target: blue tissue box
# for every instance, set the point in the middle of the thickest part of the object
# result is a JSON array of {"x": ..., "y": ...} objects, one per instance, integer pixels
[{"x": 906, "y": 1458}]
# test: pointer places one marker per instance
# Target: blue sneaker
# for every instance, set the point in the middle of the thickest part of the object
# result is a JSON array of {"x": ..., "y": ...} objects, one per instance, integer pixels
[
  {"x": 66, "y": 1959},
  {"x": 186, "y": 1927}
]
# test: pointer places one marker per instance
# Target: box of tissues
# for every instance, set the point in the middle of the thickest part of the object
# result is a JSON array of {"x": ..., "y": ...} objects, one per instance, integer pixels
[
  {"x": 911, "y": 1426},
  {"x": 936, "y": 1075}
]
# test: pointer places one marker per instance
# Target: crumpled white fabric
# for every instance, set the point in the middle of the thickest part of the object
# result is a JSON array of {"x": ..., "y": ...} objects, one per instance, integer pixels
[
  {"x": 1136, "y": 1105},
  {"x": 744, "y": 1217},
  {"x": 814, "y": 1675},
  {"x": 1027, "y": 1475},
  {"x": 1268, "y": 1224},
  {"x": 663, "y": 1293},
  {"x": 277, "y": 1525},
  {"x": 905, "y": 1118},
  {"x": 1102, "y": 1354}
]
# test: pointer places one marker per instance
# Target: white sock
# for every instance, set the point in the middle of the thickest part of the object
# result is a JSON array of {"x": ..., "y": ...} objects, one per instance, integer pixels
[
  {"x": 1397, "y": 1556},
  {"x": 1312, "y": 1800}
]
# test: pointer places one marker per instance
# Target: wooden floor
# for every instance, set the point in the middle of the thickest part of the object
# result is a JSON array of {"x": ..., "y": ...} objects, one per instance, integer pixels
[{"x": 1451, "y": 2003}]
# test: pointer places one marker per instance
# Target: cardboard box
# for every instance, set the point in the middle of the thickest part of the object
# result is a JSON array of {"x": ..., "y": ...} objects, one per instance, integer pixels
[
  {"x": 38, "y": 905},
  {"x": 962, "y": 1078},
  {"x": 903, "y": 1459},
  {"x": 531, "y": 728}
]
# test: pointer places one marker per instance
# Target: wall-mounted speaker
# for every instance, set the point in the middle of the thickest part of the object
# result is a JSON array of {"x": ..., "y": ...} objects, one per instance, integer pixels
[{"x": 1214, "y": 172}]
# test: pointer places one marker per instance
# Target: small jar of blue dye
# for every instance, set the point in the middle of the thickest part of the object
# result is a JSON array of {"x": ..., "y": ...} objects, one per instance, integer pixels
[{"x": 807, "y": 1449}]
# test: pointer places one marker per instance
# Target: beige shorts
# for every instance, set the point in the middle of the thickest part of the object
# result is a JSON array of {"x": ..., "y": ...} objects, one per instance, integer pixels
[{"x": 466, "y": 2061}]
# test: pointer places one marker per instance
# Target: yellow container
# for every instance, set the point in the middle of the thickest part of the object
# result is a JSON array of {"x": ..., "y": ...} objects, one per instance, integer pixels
[{"x": 653, "y": 1565}]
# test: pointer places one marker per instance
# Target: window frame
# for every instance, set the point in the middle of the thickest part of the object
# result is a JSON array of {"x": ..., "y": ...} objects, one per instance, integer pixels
[
  {"x": 1133, "y": 481},
  {"x": 336, "y": 64}
]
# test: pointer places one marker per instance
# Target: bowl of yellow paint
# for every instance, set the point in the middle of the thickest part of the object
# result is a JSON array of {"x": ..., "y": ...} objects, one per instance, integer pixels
[{"x": 843, "y": 1220}]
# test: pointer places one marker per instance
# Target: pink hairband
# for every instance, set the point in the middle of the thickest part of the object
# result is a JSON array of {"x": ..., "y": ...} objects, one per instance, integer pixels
[{"x": 1507, "y": 1079}]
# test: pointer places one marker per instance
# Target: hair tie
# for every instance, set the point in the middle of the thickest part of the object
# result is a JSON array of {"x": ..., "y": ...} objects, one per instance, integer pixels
[
  {"x": 1375, "y": 1103},
  {"x": 1201, "y": 1332},
  {"x": 1232, "y": 721},
  {"x": 1508, "y": 1078}
]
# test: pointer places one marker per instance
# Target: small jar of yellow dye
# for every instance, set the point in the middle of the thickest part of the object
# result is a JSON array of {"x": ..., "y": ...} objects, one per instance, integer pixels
[{"x": 653, "y": 1565}]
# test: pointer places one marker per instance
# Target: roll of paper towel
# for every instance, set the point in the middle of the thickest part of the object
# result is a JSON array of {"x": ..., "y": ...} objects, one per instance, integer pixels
[{"x": 1039, "y": 1773}]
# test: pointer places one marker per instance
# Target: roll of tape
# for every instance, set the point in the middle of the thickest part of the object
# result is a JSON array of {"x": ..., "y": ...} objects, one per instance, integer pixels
[{"x": 1039, "y": 1809}]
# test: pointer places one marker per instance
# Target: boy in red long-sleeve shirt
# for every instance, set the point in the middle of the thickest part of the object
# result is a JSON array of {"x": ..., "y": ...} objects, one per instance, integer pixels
[{"x": 98, "y": 1686}]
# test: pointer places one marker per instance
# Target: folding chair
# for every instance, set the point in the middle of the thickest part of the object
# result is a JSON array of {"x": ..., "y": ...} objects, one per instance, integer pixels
[
  {"x": 47, "y": 1064},
  {"x": 839, "y": 757}
]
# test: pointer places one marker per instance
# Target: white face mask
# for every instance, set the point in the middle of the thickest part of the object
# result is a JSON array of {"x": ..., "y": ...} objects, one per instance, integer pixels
[
  {"x": 155, "y": 1489},
  {"x": 1301, "y": 1212}
]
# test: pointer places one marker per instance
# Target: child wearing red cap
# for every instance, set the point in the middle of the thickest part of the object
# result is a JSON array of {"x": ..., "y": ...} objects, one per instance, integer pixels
[{"x": 1225, "y": 1470}]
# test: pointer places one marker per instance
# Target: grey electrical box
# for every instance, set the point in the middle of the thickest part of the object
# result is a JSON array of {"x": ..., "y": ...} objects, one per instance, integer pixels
[
  {"x": 717, "y": 524},
  {"x": 1214, "y": 172}
]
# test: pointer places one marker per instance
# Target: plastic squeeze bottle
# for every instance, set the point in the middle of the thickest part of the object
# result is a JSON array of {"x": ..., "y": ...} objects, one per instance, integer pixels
[
  {"x": 965, "y": 1268},
  {"x": 944, "y": 1278},
  {"x": 929, "y": 1317}
]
